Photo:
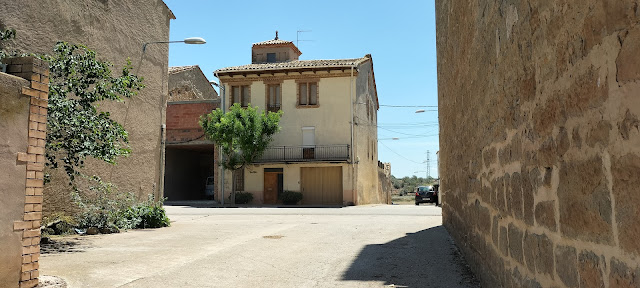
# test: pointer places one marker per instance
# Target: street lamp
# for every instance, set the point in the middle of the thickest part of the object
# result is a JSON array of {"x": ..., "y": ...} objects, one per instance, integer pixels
[
  {"x": 420, "y": 111},
  {"x": 190, "y": 40}
]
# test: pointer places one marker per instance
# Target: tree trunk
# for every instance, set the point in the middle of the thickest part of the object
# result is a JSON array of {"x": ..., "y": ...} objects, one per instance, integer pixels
[{"x": 233, "y": 187}]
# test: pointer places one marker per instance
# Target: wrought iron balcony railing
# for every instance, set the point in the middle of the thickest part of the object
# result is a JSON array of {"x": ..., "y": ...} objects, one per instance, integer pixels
[{"x": 305, "y": 153}]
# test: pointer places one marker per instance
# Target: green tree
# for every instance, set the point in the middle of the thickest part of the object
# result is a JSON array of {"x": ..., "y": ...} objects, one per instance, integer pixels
[
  {"x": 76, "y": 129},
  {"x": 242, "y": 134}
]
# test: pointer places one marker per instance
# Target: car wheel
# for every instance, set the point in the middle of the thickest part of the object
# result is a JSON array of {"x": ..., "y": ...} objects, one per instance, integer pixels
[{"x": 417, "y": 204}]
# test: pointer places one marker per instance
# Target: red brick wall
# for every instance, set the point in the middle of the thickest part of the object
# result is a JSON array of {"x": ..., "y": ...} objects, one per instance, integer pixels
[{"x": 182, "y": 120}]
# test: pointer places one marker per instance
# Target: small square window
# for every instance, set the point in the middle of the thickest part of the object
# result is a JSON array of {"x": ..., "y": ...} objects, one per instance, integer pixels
[{"x": 271, "y": 57}]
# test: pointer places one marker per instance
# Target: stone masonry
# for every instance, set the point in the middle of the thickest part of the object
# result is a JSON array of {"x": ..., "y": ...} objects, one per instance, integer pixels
[
  {"x": 539, "y": 139},
  {"x": 37, "y": 72}
]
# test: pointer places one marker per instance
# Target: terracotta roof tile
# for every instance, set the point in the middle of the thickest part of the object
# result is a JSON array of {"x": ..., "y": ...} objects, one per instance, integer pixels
[
  {"x": 272, "y": 42},
  {"x": 295, "y": 64}
]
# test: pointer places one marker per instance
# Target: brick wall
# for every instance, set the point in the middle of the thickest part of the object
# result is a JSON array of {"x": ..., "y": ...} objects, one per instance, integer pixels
[
  {"x": 540, "y": 140},
  {"x": 37, "y": 73},
  {"x": 182, "y": 119}
]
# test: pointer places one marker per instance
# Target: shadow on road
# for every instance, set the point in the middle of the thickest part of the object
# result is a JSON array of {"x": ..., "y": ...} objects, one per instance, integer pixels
[{"x": 427, "y": 258}]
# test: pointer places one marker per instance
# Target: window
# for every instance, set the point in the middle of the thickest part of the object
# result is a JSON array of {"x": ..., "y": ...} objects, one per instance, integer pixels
[
  {"x": 274, "y": 98},
  {"x": 240, "y": 94},
  {"x": 271, "y": 57},
  {"x": 308, "y": 94}
]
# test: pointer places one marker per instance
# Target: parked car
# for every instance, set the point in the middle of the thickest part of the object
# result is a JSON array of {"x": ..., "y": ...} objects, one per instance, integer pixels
[
  {"x": 426, "y": 194},
  {"x": 209, "y": 188}
]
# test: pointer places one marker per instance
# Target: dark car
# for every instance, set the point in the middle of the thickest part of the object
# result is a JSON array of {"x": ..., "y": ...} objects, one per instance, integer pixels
[{"x": 426, "y": 194}]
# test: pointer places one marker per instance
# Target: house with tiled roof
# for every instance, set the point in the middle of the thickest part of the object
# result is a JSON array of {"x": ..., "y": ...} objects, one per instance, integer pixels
[{"x": 327, "y": 147}]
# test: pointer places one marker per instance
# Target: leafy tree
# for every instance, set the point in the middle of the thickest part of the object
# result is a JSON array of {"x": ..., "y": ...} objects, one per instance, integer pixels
[
  {"x": 6, "y": 34},
  {"x": 75, "y": 128},
  {"x": 242, "y": 134}
]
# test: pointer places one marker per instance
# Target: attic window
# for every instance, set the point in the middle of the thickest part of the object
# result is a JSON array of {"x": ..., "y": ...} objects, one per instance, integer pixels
[{"x": 271, "y": 57}]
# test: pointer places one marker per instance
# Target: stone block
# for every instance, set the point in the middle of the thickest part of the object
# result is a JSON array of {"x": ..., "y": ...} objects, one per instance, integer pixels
[
  {"x": 599, "y": 134},
  {"x": 516, "y": 196},
  {"x": 538, "y": 253},
  {"x": 528, "y": 189},
  {"x": 567, "y": 265},
  {"x": 495, "y": 231},
  {"x": 629, "y": 125},
  {"x": 515, "y": 243},
  {"x": 584, "y": 201},
  {"x": 590, "y": 270},
  {"x": 628, "y": 63},
  {"x": 546, "y": 214},
  {"x": 623, "y": 276},
  {"x": 529, "y": 246},
  {"x": 625, "y": 171},
  {"x": 504, "y": 241}
]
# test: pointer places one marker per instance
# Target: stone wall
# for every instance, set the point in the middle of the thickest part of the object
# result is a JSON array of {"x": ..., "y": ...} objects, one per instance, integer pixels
[
  {"x": 116, "y": 30},
  {"x": 539, "y": 139},
  {"x": 23, "y": 120}
]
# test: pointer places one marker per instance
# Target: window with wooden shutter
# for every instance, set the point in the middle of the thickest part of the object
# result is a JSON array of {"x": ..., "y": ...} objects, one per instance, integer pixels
[
  {"x": 308, "y": 94},
  {"x": 274, "y": 97},
  {"x": 241, "y": 94}
]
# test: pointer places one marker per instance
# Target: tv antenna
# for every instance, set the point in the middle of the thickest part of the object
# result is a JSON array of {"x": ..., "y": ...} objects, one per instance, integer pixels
[{"x": 298, "y": 37}]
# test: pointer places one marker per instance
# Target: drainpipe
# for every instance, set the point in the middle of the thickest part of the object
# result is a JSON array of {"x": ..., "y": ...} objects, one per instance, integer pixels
[
  {"x": 353, "y": 160},
  {"x": 222, "y": 96}
]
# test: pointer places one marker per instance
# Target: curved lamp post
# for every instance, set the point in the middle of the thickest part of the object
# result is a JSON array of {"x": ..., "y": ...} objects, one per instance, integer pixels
[{"x": 190, "y": 40}]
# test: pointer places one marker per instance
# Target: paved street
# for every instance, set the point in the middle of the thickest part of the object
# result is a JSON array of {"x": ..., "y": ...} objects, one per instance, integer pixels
[{"x": 362, "y": 246}]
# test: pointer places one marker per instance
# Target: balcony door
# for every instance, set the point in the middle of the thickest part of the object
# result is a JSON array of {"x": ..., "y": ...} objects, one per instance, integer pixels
[{"x": 308, "y": 142}]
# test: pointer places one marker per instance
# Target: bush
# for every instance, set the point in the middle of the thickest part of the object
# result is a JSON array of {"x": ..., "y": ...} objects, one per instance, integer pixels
[
  {"x": 243, "y": 197},
  {"x": 290, "y": 197},
  {"x": 148, "y": 214},
  {"x": 103, "y": 207}
]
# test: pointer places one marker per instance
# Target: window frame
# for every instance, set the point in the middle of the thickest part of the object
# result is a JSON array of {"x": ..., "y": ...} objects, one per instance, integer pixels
[
  {"x": 268, "y": 95},
  {"x": 308, "y": 83},
  {"x": 242, "y": 96}
]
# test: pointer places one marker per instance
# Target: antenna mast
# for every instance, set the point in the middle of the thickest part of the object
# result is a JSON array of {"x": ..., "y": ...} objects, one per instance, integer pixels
[{"x": 298, "y": 36}]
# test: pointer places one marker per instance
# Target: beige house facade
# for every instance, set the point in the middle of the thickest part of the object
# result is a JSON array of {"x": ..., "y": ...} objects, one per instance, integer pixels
[{"x": 327, "y": 146}]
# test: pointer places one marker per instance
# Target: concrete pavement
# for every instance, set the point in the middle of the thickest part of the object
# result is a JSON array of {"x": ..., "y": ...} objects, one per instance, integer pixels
[{"x": 361, "y": 246}]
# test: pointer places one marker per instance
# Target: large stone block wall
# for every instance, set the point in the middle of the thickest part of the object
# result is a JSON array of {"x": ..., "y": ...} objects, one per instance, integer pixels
[
  {"x": 539, "y": 139},
  {"x": 23, "y": 120}
]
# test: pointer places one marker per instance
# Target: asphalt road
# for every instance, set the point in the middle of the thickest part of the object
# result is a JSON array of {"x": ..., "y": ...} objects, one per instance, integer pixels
[{"x": 362, "y": 246}]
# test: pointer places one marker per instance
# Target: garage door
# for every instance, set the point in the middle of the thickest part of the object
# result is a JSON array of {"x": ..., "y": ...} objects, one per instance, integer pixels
[{"x": 321, "y": 185}]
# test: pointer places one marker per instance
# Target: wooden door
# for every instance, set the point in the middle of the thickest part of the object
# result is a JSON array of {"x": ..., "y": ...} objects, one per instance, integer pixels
[
  {"x": 332, "y": 185},
  {"x": 270, "y": 187},
  {"x": 321, "y": 186}
]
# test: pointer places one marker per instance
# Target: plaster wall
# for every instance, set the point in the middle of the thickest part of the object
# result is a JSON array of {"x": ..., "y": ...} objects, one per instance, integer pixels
[
  {"x": 330, "y": 118},
  {"x": 116, "y": 30},
  {"x": 14, "y": 116},
  {"x": 539, "y": 140},
  {"x": 366, "y": 137}
]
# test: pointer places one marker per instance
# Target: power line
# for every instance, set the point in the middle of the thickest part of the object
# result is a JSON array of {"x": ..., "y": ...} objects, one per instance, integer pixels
[
  {"x": 409, "y": 106},
  {"x": 405, "y": 158}
]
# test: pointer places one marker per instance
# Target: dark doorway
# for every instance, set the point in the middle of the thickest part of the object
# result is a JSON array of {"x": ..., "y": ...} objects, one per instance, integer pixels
[{"x": 186, "y": 172}]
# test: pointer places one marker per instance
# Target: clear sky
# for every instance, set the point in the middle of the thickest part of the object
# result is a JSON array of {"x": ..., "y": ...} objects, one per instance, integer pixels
[{"x": 400, "y": 36}]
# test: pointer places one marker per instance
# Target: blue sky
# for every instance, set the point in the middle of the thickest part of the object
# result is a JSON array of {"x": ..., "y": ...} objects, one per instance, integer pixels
[{"x": 400, "y": 36}]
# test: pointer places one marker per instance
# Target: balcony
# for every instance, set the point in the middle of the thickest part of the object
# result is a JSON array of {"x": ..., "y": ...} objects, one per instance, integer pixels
[{"x": 305, "y": 153}]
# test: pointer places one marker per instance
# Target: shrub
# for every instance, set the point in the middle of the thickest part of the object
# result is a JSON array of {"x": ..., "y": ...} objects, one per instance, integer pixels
[
  {"x": 148, "y": 214},
  {"x": 243, "y": 197},
  {"x": 290, "y": 197},
  {"x": 103, "y": 207}
]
